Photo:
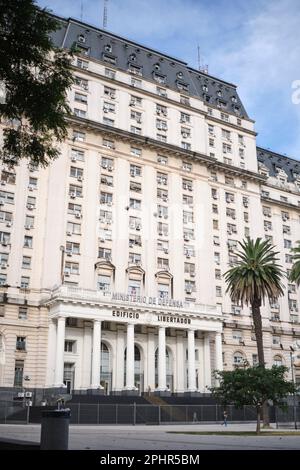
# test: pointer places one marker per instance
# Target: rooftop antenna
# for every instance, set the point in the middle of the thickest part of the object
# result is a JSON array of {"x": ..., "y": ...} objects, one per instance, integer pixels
[
  {"x": 201, "y": 66},
  {"x": 105, "y": 3},
  {"x": 81, "y": 10}
]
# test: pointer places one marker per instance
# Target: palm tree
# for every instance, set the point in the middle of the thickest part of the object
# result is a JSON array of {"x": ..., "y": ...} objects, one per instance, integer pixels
[
  {"x": 255, "y": 276},
  {"x": 295, "y": 272}
]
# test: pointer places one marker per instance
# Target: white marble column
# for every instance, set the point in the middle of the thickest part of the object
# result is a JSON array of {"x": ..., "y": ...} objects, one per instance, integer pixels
[
  {"x": 51, "y": 354},
  {"x": 118, "y": 367},
  {"x": 60, "y": 349},
  {"x": 206, "y": 363},
  {"x": 86, "y": 356},
  {"x": 96, "y": 355},
  {"x": 130, "y": 358},
  {"x": 162, "y": 379},
  {"x": 218, "y": 351},
  {"x": 150, "y": 360},
  {"x": 180, "y": 362},
  {"x": 191, "y": 361}
]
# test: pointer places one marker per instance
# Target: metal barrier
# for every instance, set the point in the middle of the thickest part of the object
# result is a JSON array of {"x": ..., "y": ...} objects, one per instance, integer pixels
[{"x": 98, "y": 413}]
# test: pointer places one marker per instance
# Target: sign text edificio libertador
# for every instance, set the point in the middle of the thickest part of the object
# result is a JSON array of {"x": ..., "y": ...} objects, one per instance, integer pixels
[
  {"x": 160, "y": 318},
  {"x": 139, "y": 299}
]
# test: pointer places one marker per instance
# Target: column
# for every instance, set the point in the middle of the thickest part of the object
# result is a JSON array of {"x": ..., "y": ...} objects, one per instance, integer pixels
[
  {"x": 60, "y": 349},
  {"x": 96, "y": 355},
  {"x": 162, "y": 385},
  {"x": 86, "y": 356},
  {"x": 130, "y": 358},
  {"x": 180, "y": 362},
  {"x": 191, "y": 361},
  {"x": 218, "y": 351},
  {"x": 150, "y": 360},
  {"x": 118, "y": 369},
  {"x": 51, "y": 354},
  {"x": 206, "y": 363}
]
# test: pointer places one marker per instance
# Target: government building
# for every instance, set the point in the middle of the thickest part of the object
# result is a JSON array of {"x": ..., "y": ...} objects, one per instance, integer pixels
[{"x": 112, "y": 258}]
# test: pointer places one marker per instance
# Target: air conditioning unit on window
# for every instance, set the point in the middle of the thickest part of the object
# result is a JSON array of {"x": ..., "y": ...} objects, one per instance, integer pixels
[
  {"x": 3, "y": 265},
  {"x": 69, "y": 233},
  {"x": 67, "y": 273},
  {"x": 30, "y": 206},
  {"x": 109, "y": 203},
  {"x": 80, "y": 178},
  {"x": 9, "y": 224},
  {"x": 188, "y": 290},
  {"x": 28, "y": 394},
  {"x": 73, "y": 195},
  {"x": 192, "y": 274},
  {"x": 77, "y": 215},
  {"x": 73, "y": 159}
]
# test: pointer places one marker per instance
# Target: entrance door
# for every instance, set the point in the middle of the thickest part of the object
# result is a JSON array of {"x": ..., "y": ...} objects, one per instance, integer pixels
[{"x": 69, "y": 371}]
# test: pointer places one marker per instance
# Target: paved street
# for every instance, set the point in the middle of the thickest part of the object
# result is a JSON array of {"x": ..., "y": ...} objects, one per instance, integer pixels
[{"x": 157, "y": 437}]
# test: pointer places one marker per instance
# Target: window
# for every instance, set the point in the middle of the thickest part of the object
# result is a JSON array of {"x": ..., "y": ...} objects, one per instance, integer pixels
[
  {"x": 211, "y": 142},
  {"x": 74, "y": 209},
  {"x": 80, "y": 97},
  {"x": 187, "y": 217},
  {"x": 73, "y": 228},
  {"x": 23, "y": 313},
  {"x": 110, "y": 73},
  {"x": 163, "y": 263},
  {"x": 189, "y": 268},
  {"x": 8, "y": 177},
  {"x": 19, "y": 370},
  {"x": 163, "y": 291},
  {"x": 135, "y": 170},
  {"x": 238, "y": 359},
  {"x": 189, "y": 286},
  {"x": 215, "y": 224},
  {"x": 276, "y": 340},
  {"x": 3, "y": 259},
  {"x": 184, "y": 100},
  {"x": 224, "y": 117},
  {"x": 287, "y": 243},
  {"x": 106, "y": 198},
  {"x": 103, "y": 283},
  {"x": 161, "y": 92},
  {"x": 2, "y": 279},
  {"x": 186, "y": 145},
  {"x": 162, "y": 178},
  {"x": 226, "y": 134},
  {"x": 21, "y": 343},
  {"x": 109, "y": 107},
  {"x": 25, "y": 282},
  {"x": 110, "y": 92},
  {"x": 5, "y": 216},
  {"x": 73, "y": 248},
  {"x": 254, "y": 359},
  {"x": 218, "y": 274},
  {"x": 75, "y": 191},
  {"x": 135, "y": 101},
  {"x": 136, "y": 130},
  {"x": 218, "y": 291},
  {"x": 277, "y": 361},
  {"x": 237, "y": 335},
  {"x": 8, "y": 198},
  {"x": 108, "y": 122},
  {"x": 108, "y": 143},
  {"x": 137, "y": 152},
  {"x": 71, "y": 268},
  {"x": 104, "y": 253},
  {"x": 82, "y": 64},
  {"x": 106, "y": 180},
  {"x": 137, "y": 116},
  {"x": 27, "y": 241},
  {"x": 70, "y": 346},
  {"x": 288, "y": 258},
  {"x": 135, "y": 82},
  {"x": 185, "y": 118},
  {"x": 26, "y": 262},
  {"x": 135, "y": 204},
  {"x": 226, "y": 148},
  {"x": 162, "y": 160},
  {"x": 161, "y": 125},
  {"x": 81, "y": 82},
  {"x": 134, "y": 287},
  {"x": 79, "y": 137}
]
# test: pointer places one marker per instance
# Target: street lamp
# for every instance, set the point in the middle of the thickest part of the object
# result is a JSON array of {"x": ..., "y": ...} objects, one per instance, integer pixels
[{"x": 293, "y": 380}]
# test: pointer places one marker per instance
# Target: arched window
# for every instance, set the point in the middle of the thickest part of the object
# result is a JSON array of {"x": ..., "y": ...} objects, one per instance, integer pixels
[
  {"x": 107, "y": 48},
  {"x": 105, "y": 359},
  {"x": 277, "y": 361},
  {"x": 238, "y": 358}
]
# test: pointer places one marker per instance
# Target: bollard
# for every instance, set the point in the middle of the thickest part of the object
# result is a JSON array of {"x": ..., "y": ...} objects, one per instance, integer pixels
[{"x": 55, "y": 429}]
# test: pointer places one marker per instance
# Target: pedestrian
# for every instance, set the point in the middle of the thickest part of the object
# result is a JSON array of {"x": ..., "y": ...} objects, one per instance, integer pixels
[{"x": 225, "y": 417}]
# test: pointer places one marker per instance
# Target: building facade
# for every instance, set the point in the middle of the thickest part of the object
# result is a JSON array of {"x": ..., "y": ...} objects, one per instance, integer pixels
[{"x": 112, "y": 258}]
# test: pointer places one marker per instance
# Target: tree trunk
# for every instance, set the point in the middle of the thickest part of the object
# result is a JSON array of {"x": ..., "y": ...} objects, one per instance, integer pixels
[
  {"x": 258, "y": 411},
  {"x": 260, "y": 350}
]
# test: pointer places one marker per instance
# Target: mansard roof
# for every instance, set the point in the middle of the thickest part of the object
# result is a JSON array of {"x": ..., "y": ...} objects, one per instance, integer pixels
[
  {"x": 276, "y": 162},
  {"x": 153, "y": 65}
]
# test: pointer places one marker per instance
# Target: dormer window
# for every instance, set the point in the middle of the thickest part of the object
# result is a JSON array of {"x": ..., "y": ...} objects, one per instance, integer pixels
[
  {"x": 135, "y": 69},
  {"x": 182, "y": 86},
  {"x": 205, "y": 88},
  {"x": 179, "y": 75},
  {"x": 159, "y": 78},
  {"x": 81, "y": 38},
  {"x": 156, "y": 66},
  {"x": 233, "y": 99},
  {"x": 109, "y": 58},
  {"x": 108, "y": 48},
  {"x": 132, "y": 57},
  {"x": 219, "y": 92}
]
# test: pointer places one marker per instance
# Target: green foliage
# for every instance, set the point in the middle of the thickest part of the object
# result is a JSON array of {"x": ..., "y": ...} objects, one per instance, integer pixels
[
  {"x": 34, "y": 77},
  {"x": 295, "y": 272},
  {"x": 256, "y": 274},
  {"x": 253, "y": 386}
]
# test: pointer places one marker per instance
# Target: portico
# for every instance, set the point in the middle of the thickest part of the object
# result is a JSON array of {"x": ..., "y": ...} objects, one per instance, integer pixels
[{"x": 117, "y": 347}]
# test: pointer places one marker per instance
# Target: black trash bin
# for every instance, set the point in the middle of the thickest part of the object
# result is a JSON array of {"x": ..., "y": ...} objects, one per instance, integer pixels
[{"x": 55, "y": 429}]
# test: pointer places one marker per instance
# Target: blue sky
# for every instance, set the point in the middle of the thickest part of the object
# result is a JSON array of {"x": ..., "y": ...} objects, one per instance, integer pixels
[{"x": 252, "y": 43}]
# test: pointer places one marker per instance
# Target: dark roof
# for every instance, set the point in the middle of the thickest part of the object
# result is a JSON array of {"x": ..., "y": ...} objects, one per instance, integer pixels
[
  {"x": 174, "y": 72},
  {"x": 274, "y": 161}
]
